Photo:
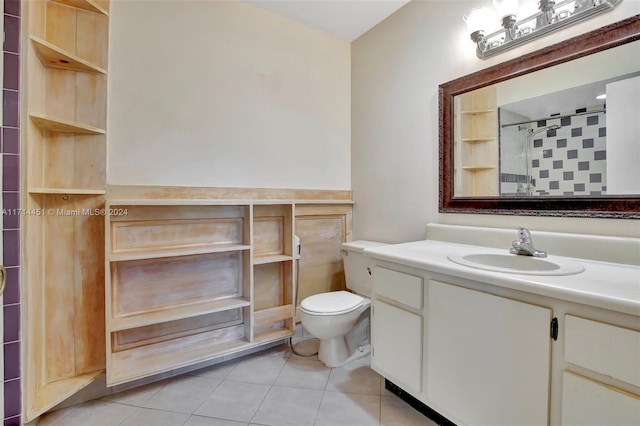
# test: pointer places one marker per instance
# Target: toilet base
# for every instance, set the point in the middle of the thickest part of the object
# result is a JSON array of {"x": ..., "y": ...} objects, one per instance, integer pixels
[{"x": 335, "y": 353}]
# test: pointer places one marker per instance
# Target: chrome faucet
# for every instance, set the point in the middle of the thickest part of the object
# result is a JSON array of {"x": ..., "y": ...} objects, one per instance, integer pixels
[{"x": 524, "y": 244}]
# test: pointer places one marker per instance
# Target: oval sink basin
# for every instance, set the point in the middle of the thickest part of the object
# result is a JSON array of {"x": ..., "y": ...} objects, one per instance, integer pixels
[{"x": 515, "y": 264}]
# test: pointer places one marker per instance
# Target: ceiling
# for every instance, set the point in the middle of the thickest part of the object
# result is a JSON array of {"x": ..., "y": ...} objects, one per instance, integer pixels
[{"x": 346, "y": 19}]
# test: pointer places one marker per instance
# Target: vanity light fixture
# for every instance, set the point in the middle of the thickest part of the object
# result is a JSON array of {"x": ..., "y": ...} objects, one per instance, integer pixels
[
  {"x": 552, "y": 15},
  {"x": 601, "y": 97}
]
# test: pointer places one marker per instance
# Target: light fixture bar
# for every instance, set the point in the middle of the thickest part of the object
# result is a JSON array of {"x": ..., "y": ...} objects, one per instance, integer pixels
[{"x": 529, "y": 29}]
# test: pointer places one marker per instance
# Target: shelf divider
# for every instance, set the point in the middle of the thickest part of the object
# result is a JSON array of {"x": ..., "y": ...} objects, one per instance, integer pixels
[
  {"x": 187, "y": 310},
  {"x": 89, "y": 5},
  {"x": 69, "y": 191},
  {"x": 55, "y": 124},
  {"x": 175, "y": 251},
  {"x": 271, "y": 315},
  {"x": 272, "y": 335},
  {"x": 55, "y": 57},
  {"x": 261, "y": 260},
  {"x": 143, "y": 361}
]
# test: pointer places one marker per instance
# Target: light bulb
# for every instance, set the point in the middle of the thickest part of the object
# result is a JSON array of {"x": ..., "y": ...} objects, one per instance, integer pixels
[
  {"x": 506, "y": 7},
  {"x": 476, "y": 19}
]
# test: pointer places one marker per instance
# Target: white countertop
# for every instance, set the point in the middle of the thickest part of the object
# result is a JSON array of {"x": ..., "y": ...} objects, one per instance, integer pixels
[{"x": 613, "y": 286}]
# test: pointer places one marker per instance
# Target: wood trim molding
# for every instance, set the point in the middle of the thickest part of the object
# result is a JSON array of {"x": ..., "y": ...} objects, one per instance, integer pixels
[{"x": 215, "y": 193}]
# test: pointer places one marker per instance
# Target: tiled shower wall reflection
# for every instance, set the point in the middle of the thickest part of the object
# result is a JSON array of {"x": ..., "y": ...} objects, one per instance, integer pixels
[
  {"x": 11, "y": 221},
  {"x": 570, "y": 160}
]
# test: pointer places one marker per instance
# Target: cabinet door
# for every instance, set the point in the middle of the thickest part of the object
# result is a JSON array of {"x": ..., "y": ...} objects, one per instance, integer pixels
[
  {"x": 396, "y": 337},
  {"x": 487, "y": 357},
  {"x": 585, "y": 402}
]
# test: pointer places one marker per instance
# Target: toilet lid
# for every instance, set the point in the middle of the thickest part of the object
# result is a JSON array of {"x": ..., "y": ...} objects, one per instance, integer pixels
[{"x": 334, "y": 302}]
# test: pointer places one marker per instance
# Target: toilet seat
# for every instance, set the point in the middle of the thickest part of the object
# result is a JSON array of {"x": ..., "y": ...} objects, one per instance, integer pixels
[{"x": 332, "y": 303}]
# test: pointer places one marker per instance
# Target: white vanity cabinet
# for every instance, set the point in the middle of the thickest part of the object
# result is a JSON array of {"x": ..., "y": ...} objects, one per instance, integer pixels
[
  {"x": 488, "y": 357},
  {"x": 600, "y": 351},
  {"x": 501, "y": 348},
  {"x": 397, "y": 327}
]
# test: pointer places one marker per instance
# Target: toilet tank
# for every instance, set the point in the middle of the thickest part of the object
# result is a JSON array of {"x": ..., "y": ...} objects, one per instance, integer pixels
[{"x": 355, "y": 263}]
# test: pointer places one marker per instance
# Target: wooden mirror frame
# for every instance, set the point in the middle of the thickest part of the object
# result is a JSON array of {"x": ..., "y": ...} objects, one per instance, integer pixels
[{"x": 605, "y": 206}]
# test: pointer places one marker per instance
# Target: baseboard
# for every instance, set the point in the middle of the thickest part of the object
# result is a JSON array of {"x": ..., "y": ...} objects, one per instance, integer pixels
[{"x": 418, "y": 405}]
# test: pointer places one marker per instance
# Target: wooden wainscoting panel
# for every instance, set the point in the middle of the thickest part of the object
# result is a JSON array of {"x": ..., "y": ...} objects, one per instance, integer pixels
[
  {"x": 147, "y": 285},
  {"x": 155, "y": 358},
  {"x": 89, "y": 285},
  {"x": 268, "y": 236},
  {"x": 59, "y": 152},
  {"x": 89, "y": 87},
  {"x": 60, "y": 96},
  {"x": 322, "y": 229},
  {"x": 178, "y": 212},
  {"x": 92, "y": 47},
  {"x": 59, "y": 307},
  {"x": 155, "y": 333},
  {"x": 90, "y": 162},
  {"x": 267, "y": 288},
  {"x": 61, "y": 24},
  {"x": 167, "y": 234}
]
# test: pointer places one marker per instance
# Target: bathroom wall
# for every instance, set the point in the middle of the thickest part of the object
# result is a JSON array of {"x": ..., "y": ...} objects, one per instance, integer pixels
[
  {"x": 396, "y": 70},
  {"x": 219, "y": 93},
  {"x": 623, "y": 107}
]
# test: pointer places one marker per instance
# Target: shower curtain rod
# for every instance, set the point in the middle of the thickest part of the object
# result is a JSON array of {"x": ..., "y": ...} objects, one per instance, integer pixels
[{"x": 555, "y": 116}]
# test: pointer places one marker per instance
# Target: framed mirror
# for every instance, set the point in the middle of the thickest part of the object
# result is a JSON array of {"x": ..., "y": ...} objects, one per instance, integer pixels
[{"x": 535, "y": 135}]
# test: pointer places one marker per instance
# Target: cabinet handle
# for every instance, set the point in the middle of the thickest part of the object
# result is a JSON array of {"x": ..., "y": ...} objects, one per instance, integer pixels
[
  {"x": 3, "y": 278},
  {"x": 554, "y": 328}
]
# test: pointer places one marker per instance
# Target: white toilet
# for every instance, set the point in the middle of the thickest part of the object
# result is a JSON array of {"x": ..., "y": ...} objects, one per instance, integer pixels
[{"x": 340, "y": 319}]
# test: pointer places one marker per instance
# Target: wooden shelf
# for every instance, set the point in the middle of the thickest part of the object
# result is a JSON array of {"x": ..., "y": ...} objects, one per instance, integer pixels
[
  {"x": 271, "y": 315},
  {"x": 477, "y": 140},
  {"x": 175, "y": 251},
  {"x": 68, "y": 191},
  {"x": 272, "y": 335},
  {"x": 55, "y": 57},
  {"x": 261, "y": 260},
  {"x": 89, "y": 5},
  {"x": 52, "y": 393},
  {"x": 477, "y": 168},
  {"x": 176, "y": 313},
  {"x": 54, "y": 124},
  {"x": 143, "y": 361},
  {"x": 478, "y": 111}
]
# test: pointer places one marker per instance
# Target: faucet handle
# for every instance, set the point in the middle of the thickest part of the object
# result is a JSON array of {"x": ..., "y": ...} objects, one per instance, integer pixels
[{"x": 523, "y": 234}]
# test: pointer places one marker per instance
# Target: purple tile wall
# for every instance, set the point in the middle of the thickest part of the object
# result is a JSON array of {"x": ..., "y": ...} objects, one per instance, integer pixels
[{"x": 11, "y": 221}]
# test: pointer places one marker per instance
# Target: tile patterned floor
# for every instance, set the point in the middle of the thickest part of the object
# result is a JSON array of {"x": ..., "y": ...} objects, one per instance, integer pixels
[{"x": 273, "y": 388}]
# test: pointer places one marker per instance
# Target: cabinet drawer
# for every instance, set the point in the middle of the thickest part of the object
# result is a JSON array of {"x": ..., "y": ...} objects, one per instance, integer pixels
[
  {"x": 604, "y": 348},
  {"x": 586, "y": 402},
  {"x": 398, "y": 286},
  {"x": 397, "y": 345}
]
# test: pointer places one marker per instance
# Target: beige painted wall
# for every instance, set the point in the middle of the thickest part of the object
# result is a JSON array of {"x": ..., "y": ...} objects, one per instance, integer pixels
[
  {"x": 219, "y": 93},
  {"x": 396, "y": 69}
]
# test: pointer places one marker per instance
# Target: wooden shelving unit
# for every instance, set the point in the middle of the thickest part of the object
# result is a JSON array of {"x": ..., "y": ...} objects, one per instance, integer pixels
[
  {"x": 476, "y": 143},
  {"x": 178, "y": 285},
  {"x": 191, "y": 280},
  {"x": 66, "y": 59},
  {"x": 273, "y": 270}
]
